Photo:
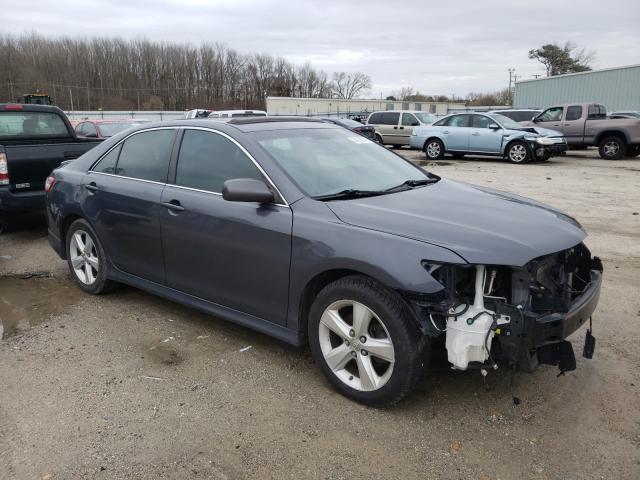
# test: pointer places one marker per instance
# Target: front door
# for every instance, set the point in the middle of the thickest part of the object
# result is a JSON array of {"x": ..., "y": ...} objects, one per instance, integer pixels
[
  {"x": 230, "y": 253},
  {"x": 123, "y": 193},
  {"x": 407, "y": 124},
  {"x": 551, "y": 118},
  {"x": 484, "y": 139}
]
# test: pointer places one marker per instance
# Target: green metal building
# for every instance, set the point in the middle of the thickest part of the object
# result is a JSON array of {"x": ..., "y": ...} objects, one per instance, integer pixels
[{"x": 615, "y": 88}]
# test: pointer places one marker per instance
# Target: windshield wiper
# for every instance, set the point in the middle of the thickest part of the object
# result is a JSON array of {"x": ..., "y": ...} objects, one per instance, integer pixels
[
  {"x": 412, "y": 183},
  {"x": 350, "y": 193}
]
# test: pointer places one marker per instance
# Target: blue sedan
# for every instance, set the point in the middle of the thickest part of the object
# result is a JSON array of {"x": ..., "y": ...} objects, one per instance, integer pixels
[{"x": 486, "y": 134}]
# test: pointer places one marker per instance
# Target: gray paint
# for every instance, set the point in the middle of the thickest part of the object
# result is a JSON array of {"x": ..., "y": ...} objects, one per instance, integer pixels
[{"x": 615, "y": 88}]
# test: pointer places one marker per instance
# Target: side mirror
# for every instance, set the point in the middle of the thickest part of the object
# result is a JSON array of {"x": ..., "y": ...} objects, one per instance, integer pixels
[
  {"x": 494, "y": 126},
  {"x": 247, "y": 190},
  {"x": 535, "y": 119},
  {"x": 91, "y": 135}
]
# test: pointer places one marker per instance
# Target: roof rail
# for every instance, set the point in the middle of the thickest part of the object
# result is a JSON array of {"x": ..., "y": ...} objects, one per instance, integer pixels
[{"x": 248, "y": 120}]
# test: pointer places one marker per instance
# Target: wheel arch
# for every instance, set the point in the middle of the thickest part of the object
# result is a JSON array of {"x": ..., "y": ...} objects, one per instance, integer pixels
[
  {"x": 434, "y": 137},
  {"x": 505, "y": 150},
  {"x": 611, "y": 133},
  {"x": 64, "y": 228}
]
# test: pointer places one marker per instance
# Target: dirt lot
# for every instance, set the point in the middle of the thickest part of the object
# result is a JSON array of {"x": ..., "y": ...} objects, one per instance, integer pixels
[{"x": 127, "y": 385}]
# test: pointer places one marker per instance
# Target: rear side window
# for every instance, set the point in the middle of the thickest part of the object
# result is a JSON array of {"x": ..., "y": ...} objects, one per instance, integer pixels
[
  {"x": 107, "y": 164},
  {"x": 146, "y": 155},
  {"x": 456, "y": 121},
  {"x": 409, "y": 120},
  {"x": 574, "y": 112},
  {"x": 32, "y": 124},
  {"x": 597, "y": 111},
  {"x": 390, "y": 118},
  {"x": 480, "y": 121},
  {"x": 207, "y": 160}
]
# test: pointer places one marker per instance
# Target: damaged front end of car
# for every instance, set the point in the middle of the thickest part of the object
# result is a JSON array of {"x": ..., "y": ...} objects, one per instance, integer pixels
[{"x": 515, "y": 316}]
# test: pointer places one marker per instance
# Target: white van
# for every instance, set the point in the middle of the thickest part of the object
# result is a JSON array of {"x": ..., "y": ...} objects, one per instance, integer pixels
[
  {"x": 200, "y": 113},
  {"x": 394, "y": 127}
]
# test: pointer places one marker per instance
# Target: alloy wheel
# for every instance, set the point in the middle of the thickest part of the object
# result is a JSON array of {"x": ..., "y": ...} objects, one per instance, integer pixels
[
  {"x": 518, "y": 153},
  {"x": 356, "y": 345},
  {"x": 433, "y": 150},
  {"x": 611, "y": 148},
  {"x": 84, "y": 257}
]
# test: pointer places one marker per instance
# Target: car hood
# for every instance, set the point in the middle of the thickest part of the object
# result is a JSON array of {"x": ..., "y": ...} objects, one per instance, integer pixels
[
  {"x": 482, "y": 225},
  {"x": 545, "y": 132}
]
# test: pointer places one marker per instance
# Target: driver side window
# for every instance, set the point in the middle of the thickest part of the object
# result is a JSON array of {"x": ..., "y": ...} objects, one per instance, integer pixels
[
  {"x": 553, "y": 114},
  {"x": 409, "y": 120}
]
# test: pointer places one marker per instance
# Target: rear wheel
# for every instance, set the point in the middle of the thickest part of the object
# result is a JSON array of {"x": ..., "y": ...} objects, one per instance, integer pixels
[
  {"x": 518, "y": 152},
  {"x": 397, "y": 146},
  {"x": 379, "y": 139},
  {"x": 86, "y": 258},
  {"x": 433, "y": 149},
  {"x": 365, "y": 341},
  {"x": 612, "y": 148}
]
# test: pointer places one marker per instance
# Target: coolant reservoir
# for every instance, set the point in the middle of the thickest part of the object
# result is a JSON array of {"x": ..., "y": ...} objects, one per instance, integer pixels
[
  {"x": 466, "y": 334},
  {"x": 466, "y": 343}
]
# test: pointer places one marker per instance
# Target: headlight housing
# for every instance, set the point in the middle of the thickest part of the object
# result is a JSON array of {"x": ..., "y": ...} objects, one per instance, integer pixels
[{"x": 540, "y": 140}]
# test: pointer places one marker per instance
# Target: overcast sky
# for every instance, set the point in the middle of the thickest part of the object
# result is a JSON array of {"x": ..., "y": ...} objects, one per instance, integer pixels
[{"x": 436, "y": 47}]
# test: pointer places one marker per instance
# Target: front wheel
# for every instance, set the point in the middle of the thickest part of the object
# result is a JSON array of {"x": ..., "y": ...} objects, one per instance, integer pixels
[
  {"x": 518, "y": 152},
  {"x": 379, "y": 139},
  {"x": 365, "y": 341},
  {"x": 86, "y": 258},
  {"x": 434, "y": 149},
  {"x": 612, "y": 148}
]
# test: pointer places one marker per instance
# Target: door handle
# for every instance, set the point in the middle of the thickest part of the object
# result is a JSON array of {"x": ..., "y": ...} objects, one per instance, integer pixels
[
  {"x": 475, "y": 134},
  {"x": 395, "y": 128},
  {"x": 446, "y": 131},
  {"x": 567, "y": 124},
  {"x": 401, "y": 128},
  {"x": 173, "y": 205},
  {"x": 71, "y": 155},
  {"x": 92, "y": 187}
]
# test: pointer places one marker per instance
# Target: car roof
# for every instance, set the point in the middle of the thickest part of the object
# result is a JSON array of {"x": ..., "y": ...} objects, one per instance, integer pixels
[{"x": 244, "y": 124}]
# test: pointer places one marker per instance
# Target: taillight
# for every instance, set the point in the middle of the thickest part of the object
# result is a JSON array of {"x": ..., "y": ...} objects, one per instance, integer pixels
[
  {"x": 4, "y": 169},
  {"x": 49, "y": 183},
  {"x": 13, "y": 106}
]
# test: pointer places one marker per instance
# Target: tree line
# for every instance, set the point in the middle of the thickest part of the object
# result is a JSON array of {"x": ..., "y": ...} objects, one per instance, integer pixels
[{"x": 120, "y": 74}]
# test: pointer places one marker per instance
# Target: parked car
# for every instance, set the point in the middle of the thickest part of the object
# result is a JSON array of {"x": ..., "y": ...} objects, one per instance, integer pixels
[
  {"x": 365, "y": 130},
  {"x": 34, "y": 139},
  {"x": 518, "y": 115},
  {"x": 200, "y": 113},
  {"x": 395, "y": 127},
  {"x": 105, "y": 128},
  {"x": 587, "y": 124},
  {"x": 486, "y": 134},
  {"x": 301, "y": 230}
]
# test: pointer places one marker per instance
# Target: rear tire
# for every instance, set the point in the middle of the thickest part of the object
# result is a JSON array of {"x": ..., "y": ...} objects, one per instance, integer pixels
[
  {"x": 397, "y": 146},
  {"x": 612, "y": 148},
  {"x": 518, "y": 152},
  {"x": 365, "y": 341},
  {"x": 86, "y": 258},
  {"x": 433, "y": 149},
  {"x": 379, "y": 139}
]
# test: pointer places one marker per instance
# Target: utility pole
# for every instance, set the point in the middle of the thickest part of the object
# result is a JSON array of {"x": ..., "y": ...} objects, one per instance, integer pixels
[
  {"x": 71, "y": 98},
  {"x": 88, "y": 98}
]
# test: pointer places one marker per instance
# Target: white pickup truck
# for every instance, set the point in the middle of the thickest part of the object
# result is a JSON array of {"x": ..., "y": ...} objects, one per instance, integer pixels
[{"x": 587, "y": 124}]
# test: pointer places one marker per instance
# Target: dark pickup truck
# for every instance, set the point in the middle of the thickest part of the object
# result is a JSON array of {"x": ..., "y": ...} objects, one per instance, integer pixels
[{"x": 34, "y": 139}]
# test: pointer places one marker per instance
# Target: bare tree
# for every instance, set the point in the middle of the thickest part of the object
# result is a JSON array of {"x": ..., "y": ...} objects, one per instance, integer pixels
[{"x": 350, "y": 85}]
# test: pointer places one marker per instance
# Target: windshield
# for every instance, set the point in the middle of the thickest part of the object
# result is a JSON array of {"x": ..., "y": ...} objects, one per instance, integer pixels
[
  {"x": 506, "y": 122},
  {"x": 327, "y": 161},
  {"x": 110, "y": 129},
  {"x": 427, "y": 118}
]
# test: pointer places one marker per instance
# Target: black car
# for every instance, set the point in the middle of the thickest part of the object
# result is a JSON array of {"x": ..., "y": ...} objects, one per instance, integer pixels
[
  {"x": 311, "y": 234},
  {"x": 365, "y": 130}
]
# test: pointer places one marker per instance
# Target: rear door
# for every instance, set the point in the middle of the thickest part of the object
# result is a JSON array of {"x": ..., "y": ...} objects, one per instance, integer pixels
[
  {"x": 233, "y": 254},
  {"x": 573, "y": 125},
  {"x": 484, "y": 139},
  {"x": 456, "y": 133},
  {"x": 388, "y": 126},
  {"x": 121, "y": 199}
]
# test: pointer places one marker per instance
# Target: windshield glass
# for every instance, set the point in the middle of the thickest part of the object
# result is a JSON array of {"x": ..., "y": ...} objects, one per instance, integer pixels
[
  {"x": 506, "y": 122},
  {"x": 110, "y": 129},
  {"x": 327, "y": 161},
  {"x": 427, "y": 118}
]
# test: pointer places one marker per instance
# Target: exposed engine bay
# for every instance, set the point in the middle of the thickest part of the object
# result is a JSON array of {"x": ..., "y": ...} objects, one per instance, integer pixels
[{"x": 519, "y": 316}]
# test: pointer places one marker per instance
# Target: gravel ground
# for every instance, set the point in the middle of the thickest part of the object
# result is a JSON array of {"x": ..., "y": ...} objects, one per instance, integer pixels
[{"x": 127, "y": 385}]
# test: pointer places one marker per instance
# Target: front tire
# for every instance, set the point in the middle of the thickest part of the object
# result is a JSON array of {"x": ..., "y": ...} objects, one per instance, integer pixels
[
  {"x": 612, "y": 148},
  {"x": 86, "y": 258},
  {"x": 365, "y": 341},
  {"x": 379, "y": 139},
  {"x": 434, "y": 149},
  {"x": 518, "y": 152}
]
